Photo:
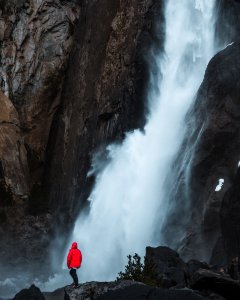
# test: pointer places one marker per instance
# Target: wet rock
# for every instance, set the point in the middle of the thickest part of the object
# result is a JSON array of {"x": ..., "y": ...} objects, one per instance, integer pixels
[
  {"x": 171, "y": 270},
  {"x": 127, "y": 290},
  {"x": 220, "y": 284},
  {"x": 209, "y": 155}
]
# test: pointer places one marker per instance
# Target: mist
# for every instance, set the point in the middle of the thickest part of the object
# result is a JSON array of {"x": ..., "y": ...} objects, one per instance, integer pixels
[{"x": 129, "y": 201}]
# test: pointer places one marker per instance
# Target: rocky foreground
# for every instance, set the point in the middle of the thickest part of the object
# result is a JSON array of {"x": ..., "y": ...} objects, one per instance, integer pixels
[{"x": 173, "y": 279}]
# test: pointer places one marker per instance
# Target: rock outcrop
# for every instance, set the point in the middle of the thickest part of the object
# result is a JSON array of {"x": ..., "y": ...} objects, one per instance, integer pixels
[
  {"x": 223, "y": 285},
  {"x": 171, "y": 278},
  {"x": 125, "y": 290},
  {"x": 171, "y": 269}
]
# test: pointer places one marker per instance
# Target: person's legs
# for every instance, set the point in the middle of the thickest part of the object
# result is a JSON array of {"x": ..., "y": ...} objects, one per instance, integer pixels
[{"x": 73, "y": 273}]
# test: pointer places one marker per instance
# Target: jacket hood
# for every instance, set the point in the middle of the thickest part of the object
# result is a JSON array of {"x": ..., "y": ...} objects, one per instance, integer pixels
[{"x": 74, "y": 245}]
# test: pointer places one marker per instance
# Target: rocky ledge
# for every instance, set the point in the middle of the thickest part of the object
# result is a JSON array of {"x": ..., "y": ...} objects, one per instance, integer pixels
[{"x": 173, "y": 279}]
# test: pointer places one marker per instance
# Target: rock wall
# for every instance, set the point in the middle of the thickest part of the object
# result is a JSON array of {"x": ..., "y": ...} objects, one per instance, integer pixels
[
  {"x": 209, "y": 154},
  {"x": 201, "y": 211},
  {"x": 35, "y": 40},
  {"x": 14, "y": 167},
  {"x": 103, "y": 93},
  {"x": 74, "y": 74}
]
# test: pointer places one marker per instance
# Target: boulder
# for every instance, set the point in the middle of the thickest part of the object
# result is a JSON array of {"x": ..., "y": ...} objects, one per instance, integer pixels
[
  {"x": 33, "y": 293},
  {"x": 193, "y": 265},
  {"x": 171, "y": 270},
  {"x": 206, "y": 280}
]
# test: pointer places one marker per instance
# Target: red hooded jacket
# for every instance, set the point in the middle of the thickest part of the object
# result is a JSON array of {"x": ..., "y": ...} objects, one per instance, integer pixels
[{"x": 74, "y": 258}]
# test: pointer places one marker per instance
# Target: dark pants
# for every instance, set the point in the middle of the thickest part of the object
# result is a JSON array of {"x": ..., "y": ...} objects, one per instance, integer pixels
[{"x": 73, "y": 273}]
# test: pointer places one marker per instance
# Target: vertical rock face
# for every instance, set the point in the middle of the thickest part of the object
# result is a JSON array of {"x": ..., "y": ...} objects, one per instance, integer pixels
[
  {"x": 204, "y": 202},
  {"x": 13, "y": 155},
  {"x": 103, "y": 92},
  {"x": 211, "y": 155},
  {"x": 35, "y": 40}
]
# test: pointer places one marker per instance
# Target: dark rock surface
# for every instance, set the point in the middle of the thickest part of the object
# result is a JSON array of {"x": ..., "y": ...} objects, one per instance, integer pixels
[
  {"x": 103, "y": 92},
  {"x": 93, "y": 290},
  {"x": 171, "y": 270},
  {"x": 228, "y": 21},
  {"x": 210, "y": 152},
  {"x": 33, "y": 293},
  {"x": 193, "y": 265},
  {"x": 172, "y": 278},
  {"x": 127, "y": 290},
  {"x": 149, "y": 293},
  {"x": 229, "y": 218},
  {"x": 58, "y": 294},
  {"x": 220, "y": 284},
  {"x": 35, "y": 41}
]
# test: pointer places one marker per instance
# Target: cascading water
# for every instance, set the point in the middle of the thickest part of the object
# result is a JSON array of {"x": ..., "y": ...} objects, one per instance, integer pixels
[{"x": 129, "y": 200}]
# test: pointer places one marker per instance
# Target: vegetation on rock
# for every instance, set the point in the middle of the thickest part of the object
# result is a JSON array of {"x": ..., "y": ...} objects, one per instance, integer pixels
[{"x": 138, "y": 271}]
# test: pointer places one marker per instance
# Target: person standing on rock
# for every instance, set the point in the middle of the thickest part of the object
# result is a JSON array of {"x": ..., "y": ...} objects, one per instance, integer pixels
[{"x": 74, "y": 260}]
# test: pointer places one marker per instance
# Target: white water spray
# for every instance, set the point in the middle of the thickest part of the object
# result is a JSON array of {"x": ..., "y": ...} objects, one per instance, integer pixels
[{"x": 128, "y": 202}]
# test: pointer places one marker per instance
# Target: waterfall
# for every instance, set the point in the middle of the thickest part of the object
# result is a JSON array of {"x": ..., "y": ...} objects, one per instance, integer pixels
[{"x": 129, "y": 201}]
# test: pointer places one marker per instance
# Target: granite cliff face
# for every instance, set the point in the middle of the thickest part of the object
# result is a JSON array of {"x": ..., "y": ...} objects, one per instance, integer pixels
[
  {"x": 74, "y": 75},
  {"x": 106, "y": 98},
  {"x": 35, "y": 40},
  {"x": 210, "y": 153}
]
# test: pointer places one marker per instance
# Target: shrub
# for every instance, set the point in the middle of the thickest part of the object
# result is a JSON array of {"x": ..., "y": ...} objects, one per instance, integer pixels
[{"x": 138, "y": 271}]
